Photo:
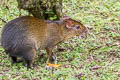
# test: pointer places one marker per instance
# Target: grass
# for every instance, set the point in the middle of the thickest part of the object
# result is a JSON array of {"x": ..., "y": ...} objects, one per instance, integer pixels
[{"x": 93, "y": 58}]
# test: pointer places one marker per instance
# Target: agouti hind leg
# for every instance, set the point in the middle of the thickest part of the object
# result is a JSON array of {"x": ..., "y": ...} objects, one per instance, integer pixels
[
  {"x": 14, "y": 60},
  {"x": 29, "y": 57}
]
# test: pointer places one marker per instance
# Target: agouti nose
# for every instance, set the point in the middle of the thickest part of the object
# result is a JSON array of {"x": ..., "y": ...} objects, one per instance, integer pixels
[{"x": 84, "y": 35}]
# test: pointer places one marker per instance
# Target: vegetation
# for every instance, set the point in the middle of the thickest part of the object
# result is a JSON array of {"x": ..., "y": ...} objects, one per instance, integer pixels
[{"x": 93, "y": 58}]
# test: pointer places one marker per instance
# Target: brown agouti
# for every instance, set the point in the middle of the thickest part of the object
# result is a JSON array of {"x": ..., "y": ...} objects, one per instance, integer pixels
[{"x": 22, "y": 36}]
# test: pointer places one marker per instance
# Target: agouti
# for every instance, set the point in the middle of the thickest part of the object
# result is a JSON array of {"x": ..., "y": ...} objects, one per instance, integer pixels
[{"x": 22, "y": 36}]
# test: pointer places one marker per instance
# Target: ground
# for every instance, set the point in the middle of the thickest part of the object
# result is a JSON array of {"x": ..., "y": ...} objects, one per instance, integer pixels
[{"x": 93, "y": 58}]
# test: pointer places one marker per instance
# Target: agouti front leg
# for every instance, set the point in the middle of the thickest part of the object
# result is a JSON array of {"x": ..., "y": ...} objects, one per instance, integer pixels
[
  {"x": 51, "y": 56},
  {"x": 50, "y": 60}
]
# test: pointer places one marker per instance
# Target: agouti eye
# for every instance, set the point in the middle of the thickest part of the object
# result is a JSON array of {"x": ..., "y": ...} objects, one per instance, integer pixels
[{"x": 78, "y": 27}]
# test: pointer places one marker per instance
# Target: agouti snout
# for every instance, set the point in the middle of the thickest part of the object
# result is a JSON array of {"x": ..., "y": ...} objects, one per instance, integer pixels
[{"x": 22, "y": 36}]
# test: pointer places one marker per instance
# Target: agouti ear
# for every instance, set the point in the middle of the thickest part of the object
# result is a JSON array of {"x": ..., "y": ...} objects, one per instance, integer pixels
[{"x": 69, "y": 24}]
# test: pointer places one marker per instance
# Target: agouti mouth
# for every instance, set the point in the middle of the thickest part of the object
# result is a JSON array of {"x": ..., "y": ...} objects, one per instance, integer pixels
[{"x": 83, "y": 35}]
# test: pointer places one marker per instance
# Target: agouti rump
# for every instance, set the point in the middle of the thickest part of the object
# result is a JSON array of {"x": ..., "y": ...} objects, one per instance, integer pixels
[{"x": 22, "y": 36}]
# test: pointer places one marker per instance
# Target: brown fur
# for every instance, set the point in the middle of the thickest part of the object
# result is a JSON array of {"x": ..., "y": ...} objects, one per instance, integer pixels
[{"x": 21, "y": 37}]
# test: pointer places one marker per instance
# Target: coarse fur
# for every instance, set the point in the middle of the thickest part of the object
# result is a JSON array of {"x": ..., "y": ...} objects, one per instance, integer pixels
[{"x": 22, "y": 36}]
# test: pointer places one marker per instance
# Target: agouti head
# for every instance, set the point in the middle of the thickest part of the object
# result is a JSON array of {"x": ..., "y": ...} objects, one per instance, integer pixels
[
  {"x": 75, "y": 28},
  {"x": 22, "y": 36}
]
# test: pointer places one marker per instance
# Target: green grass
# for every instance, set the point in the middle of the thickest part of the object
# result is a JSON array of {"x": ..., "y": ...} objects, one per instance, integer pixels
[{"x": 94, "y": 58}]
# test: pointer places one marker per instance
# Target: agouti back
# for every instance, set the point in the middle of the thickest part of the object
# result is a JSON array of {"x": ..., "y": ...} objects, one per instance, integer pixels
[{"x": 22, "y": 36}]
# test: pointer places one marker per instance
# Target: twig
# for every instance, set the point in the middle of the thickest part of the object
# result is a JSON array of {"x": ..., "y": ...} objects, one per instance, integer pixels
[
  {"x": 98, "y": 47},
  {"x": 3, "y": 20}
]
